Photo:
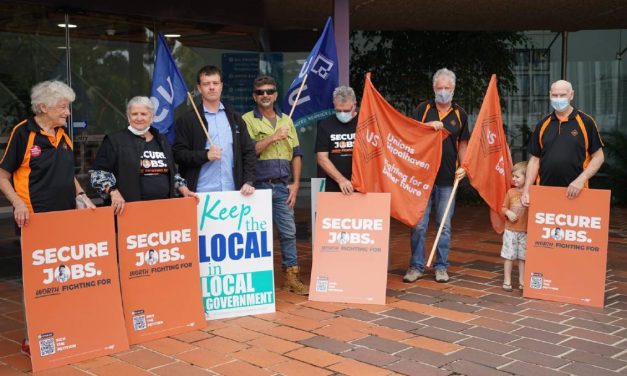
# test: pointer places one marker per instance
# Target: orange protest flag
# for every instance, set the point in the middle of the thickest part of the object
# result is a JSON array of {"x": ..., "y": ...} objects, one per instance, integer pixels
[
  {"x": 396, "y": 154},
  {"x": 487, "y": 161}
]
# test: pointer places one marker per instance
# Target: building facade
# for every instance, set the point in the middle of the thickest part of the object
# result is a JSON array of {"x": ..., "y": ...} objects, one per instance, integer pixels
[{"x": 107, "y": 58}]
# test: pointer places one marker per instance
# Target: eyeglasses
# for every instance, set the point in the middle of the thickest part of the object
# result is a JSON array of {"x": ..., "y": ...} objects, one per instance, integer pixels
[{"x": 264, "y": 91}]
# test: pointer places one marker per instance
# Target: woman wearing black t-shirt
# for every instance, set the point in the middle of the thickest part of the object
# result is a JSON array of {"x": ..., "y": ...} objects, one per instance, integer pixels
[{"x": 136, "y": 164}]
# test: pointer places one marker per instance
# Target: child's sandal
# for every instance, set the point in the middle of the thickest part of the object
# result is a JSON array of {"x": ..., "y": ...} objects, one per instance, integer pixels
[{"x": 507, "y": 288}]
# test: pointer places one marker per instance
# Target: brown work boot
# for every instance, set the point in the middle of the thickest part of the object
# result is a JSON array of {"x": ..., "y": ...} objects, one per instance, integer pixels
[{"x": 293, "y": 283}]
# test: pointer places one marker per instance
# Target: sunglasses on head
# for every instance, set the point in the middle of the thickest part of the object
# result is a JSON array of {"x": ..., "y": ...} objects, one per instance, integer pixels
[{"x": 265, "y": 91}]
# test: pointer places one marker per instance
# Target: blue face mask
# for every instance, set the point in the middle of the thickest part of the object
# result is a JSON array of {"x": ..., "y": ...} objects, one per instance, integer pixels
[
  {"x": 344, "y": 117},
  {"x": 443, "y": 96},
  {"x": 560, "y": 104}
]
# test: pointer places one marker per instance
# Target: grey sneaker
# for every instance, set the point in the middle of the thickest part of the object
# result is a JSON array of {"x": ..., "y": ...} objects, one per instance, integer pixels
[
  {"x": 441, "y": 275},
  {"x": 412, "y": 275}
]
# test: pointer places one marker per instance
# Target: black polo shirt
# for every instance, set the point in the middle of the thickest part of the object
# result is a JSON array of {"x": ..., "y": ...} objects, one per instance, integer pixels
[
  {"x": 456, "y": 122},
  {"x": 564, "y": 147},
  {"x": 42, "y": 167}
]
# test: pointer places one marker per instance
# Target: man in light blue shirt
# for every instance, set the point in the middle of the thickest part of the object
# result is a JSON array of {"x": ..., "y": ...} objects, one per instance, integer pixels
[
  {"x": 222, "y": 167},
  {"x": 227, "y": 161}
]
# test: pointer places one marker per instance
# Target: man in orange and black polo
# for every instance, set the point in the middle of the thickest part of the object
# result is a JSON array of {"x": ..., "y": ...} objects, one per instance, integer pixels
[
  {"x": 566, "y": 148},
  {"x": 440, "y": 113}
]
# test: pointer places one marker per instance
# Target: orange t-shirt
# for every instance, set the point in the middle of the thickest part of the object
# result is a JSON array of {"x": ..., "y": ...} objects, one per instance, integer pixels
[{"x": 512, "y": 202}]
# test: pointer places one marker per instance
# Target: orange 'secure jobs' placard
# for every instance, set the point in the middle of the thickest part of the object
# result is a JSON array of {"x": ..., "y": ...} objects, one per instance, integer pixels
[
  {"x": 71, "y": 287},
  {"x": 567, "y": 246},
  {"x": 158, "y": 247},
  {"x": 350, "y": 253}
]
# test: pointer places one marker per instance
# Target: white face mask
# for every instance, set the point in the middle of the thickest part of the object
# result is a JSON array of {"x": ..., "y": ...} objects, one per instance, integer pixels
[
  {"x": 138, "y": 132},
  {"x": 344, "y": 117},
  {"x": 560, "y": 104},
  {"x": 443, "y": 96}
]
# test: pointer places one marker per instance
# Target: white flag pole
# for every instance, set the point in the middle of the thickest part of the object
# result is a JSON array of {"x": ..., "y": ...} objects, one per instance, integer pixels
[
  {"x": 191, "y": 99},
  {"x": 448, "y": 207},
  {"x": 300, "y": 89}
]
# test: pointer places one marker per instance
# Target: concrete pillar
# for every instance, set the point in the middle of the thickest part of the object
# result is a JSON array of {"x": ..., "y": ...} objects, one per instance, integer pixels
[
  {"x": 564, "y": 55},
  {"x": 341, "y": 26}
]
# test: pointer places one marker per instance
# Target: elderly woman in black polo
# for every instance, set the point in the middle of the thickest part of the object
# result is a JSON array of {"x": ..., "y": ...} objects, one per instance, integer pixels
[
  {"x": 37, "y": 167},
  {"x": 136, "y": 164}
]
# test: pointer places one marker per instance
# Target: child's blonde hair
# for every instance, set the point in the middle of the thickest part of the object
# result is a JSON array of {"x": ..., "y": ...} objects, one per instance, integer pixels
[{"x": 520, "y": 167}]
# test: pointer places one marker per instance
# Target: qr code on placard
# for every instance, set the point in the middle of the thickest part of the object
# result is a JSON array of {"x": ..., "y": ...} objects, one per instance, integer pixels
[
  {"x": 322, "y": 284},
  {"x": 536, "y": 281},
  {"x": 46, "y": 346},
  {"x": 139, "y": 322}
]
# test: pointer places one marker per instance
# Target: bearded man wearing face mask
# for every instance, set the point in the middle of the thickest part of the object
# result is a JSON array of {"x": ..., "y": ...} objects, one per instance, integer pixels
[
  {"x": 440, "y": 112},
  {"x": 566, "y": 148},
  {"x": 334, "y": 142}
]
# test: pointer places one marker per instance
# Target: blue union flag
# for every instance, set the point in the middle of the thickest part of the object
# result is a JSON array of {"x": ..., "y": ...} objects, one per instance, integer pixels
[
  {"x": 168, "y": 89},
  {"x": 321, "y": 67}
]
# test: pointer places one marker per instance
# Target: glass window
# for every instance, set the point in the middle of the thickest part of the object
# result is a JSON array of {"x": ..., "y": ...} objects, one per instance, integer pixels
[
  {"x": 597, "y": 73},
  {"x": 37, "y": 53}
]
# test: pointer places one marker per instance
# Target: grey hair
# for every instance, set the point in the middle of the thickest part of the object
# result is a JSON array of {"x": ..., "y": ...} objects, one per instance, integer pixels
[
  {"x": 49, "y": 93},
  {"x": 445, "y": 73},
  {"x": 344, "y": 94},
  {"x": 140, "y": 101}
]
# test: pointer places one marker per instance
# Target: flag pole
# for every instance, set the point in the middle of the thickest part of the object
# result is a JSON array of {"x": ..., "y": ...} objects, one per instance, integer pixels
[
  {"x": 448, "y": 207},
  {"x": 300, "y": 89},
  {"x": 191, "y": 99}
]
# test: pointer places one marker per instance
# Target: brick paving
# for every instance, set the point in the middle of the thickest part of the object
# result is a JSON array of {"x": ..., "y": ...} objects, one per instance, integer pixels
[{"x": 466, "y": 327}]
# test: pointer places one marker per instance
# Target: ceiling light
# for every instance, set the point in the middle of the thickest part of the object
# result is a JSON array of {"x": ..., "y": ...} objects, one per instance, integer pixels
[
  {"x": 172, "y": 35},
  {"x": 70, "y": 26}
]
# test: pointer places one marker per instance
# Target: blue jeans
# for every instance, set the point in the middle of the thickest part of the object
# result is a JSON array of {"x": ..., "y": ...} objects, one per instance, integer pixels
[
  {"x": 439, "y": 197},
  {"x": 283, "y": 218}
]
